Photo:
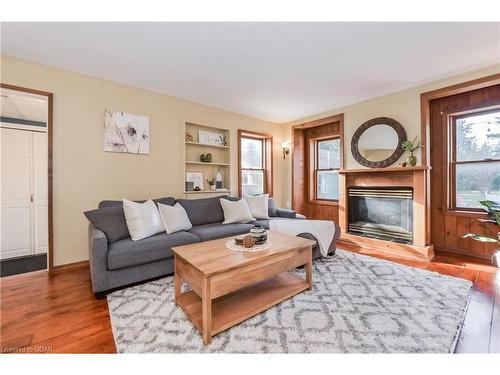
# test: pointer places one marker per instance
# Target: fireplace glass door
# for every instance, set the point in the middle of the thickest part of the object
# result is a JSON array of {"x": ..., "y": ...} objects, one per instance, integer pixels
[{"x": 383, "y": 213}]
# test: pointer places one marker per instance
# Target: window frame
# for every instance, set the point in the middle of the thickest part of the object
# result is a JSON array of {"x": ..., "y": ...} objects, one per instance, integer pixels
[
  {"x": 316, "y": 142},
  {"x": 267, "y": 159},
  {"x": 453, "y": 162}
]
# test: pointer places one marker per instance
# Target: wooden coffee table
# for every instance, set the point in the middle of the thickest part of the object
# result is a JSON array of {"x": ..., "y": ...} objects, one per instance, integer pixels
[{"x": 228, "y": 287}]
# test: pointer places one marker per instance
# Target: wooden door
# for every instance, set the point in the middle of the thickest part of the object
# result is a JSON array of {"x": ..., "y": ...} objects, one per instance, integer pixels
[{"x": 449, "y": 225}]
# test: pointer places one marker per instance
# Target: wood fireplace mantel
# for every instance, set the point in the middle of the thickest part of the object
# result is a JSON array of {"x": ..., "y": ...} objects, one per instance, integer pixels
[{"x": 413, "y": 177}]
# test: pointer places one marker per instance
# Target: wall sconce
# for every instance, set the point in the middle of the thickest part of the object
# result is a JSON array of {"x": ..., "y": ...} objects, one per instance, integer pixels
[{"x": 285, "y": 146}]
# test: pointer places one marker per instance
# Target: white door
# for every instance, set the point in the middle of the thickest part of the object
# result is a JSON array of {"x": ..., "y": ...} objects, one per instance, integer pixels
[
  {"x": 40, "y": 193},
  {"x": 23, "y": 193}
]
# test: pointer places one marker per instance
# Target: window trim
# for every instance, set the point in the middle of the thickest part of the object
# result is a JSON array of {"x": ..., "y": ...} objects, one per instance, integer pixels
[
  {"x": 315, "y": 142},
  {"x": 453, "y": 162},
  {"x": 267, "y": 159}
]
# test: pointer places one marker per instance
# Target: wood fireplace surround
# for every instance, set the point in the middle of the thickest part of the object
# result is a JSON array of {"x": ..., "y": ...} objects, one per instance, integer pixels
[{"x": 409, "y": 177}]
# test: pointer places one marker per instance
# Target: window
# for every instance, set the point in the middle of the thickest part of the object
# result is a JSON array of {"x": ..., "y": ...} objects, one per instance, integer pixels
[
  {"x": 326, "y": 170},
  {"x": 255, "y": 163},
  {"x": 475, "y": 159}
]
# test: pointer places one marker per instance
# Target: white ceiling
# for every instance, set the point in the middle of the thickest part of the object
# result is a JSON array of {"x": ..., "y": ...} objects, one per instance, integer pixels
[{"x": 273, "y": 71}]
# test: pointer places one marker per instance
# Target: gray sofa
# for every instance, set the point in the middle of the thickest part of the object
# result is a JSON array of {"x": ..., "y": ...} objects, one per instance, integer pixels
[{"x": 116, "y": 260}]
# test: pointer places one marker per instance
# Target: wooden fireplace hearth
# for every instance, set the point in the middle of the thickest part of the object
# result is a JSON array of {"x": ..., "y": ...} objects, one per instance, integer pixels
[{"x": 411, "y": 177}]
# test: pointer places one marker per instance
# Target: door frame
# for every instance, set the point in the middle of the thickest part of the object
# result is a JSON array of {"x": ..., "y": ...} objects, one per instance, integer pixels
[{"x": 50, "y": 96}]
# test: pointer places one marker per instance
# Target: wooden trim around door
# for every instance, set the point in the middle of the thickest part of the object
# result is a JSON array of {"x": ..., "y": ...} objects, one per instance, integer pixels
[
  {"x": 268, "y": 158},
  {"x": 50, "y": 119}
]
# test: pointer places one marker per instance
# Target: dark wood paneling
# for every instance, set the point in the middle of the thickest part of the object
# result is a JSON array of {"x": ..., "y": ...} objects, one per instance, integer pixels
[
  {"x": 449, "y": 226},
  {"x": 425, "y": 99},
  {"x": 301, "y": 172},
  {"x": 298, "y": 171}
]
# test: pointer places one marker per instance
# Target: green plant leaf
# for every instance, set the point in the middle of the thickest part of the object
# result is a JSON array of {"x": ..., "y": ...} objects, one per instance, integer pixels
[
  {"x": 485, "y": 239},
  {"x": 497, "y": 217},
  {"x": 491, "y": 205}
]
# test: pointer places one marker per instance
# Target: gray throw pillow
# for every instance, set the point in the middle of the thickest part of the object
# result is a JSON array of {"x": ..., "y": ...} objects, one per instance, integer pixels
[
  {"x": 111, "y": 220},
  {"x": 271, "y": 208},
  {"x": 204, "y": 210}
]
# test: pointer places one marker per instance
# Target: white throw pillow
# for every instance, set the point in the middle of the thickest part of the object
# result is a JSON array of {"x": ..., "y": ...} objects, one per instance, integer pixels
[
  {"x": 258, "y": 205},
  {"x": 236, "y": 211},
  {"x": 143, "y": 219},
  {"x": 174, "y": 218}
]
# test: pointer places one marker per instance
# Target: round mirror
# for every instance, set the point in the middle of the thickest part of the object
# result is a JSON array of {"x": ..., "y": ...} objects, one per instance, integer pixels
[{"x": 378, "y": 142}]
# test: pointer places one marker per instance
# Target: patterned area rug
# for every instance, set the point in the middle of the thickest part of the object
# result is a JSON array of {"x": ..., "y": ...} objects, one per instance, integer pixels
[{"x": 358, "y": 304}]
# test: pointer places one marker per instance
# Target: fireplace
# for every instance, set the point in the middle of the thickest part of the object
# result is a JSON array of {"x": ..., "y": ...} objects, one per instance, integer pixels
[{"x": 384, "y": 213}]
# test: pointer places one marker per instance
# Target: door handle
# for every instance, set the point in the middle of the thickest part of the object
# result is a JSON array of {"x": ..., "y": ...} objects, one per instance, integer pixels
[{"x": 32, "y": 198}]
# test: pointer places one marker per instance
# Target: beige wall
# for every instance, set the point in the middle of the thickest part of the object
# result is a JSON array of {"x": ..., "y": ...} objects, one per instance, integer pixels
[
  {"x": 403, "y": 106},
  {"x": 84, "y": 174}
]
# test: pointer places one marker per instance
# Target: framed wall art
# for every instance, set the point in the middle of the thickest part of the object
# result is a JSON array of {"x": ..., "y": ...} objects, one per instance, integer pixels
[{"x": 125, "y": 132}]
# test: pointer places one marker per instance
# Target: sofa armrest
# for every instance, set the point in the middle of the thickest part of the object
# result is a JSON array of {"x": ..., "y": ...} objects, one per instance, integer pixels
[
  {"x": 98, "y": 259},
  {"x": 283, "y": 212}
]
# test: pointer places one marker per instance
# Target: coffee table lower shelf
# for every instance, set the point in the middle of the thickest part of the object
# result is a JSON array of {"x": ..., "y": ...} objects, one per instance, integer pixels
[{"x": 238, "y": 306}]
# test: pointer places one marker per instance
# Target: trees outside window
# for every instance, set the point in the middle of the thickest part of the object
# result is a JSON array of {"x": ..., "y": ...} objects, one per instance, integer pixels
[
  {"x": 475, "y": 159},
  {"x": 326, "y": 171}
]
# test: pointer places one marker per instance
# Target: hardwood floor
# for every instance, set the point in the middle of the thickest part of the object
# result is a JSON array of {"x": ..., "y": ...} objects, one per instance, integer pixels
[
  {"x": 56, "y": 313},
  {"x": 59, "y": 314}
]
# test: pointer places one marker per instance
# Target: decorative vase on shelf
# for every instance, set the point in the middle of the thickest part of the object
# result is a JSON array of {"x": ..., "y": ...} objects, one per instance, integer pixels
[
  {"x": 206, "y": 158},
  {"x": 411, "y": 146},
  {"x": 412, "y": 160},
  {"x": 218, "y": 180}
]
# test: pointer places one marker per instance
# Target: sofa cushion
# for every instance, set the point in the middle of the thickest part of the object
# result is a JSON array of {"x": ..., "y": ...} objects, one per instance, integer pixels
[
  {"x": 285, "y": 213},
  {"x": 111, "y": 220},
  {"x": 165, "y": 200},
  {"x": 204, "y": 211},
  {"x": 143, "y": 219},
  {"x": 175, "y": 218},
  {"x": 213, "y": 231},
  {"x": 127, "y": 253},
  {"x": 259, "y": 205},
  {"x": 271, "y": 208},
  {"x": 236, "y": 212}
]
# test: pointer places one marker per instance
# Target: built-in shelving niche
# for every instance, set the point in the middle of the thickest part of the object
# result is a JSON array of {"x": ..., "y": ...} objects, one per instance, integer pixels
[{"x": 220, "y": 159}]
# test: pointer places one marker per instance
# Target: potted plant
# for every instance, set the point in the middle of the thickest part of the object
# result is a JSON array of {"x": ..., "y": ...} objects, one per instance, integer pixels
[
  {"x": 493, "y": 210},
  {"x": 411, "y": 146},
  {"x": 211, "y": 182},
  {"x": 223, "y": 141}
]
